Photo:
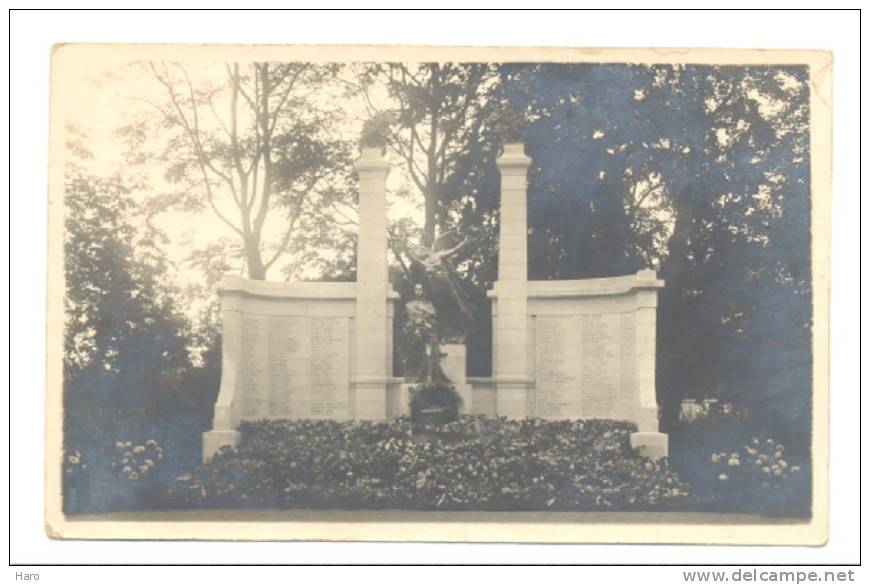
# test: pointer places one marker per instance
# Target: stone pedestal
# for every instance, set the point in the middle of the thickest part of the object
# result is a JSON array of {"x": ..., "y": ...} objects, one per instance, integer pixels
[
  {"x": 649, "y": 444},
  {"x": 453, "y": 364},
  {"x": 403, "y": 399}
]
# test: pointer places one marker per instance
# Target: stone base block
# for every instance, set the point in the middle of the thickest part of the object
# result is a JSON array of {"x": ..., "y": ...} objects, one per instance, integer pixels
[
  {"x": 403, "y": 399},
  {"x": 212, "y": 441},
  {"x": 650, "y": 445},
  {"x": 512, "y": 400},
  {"x": 371, "y": 400},
  {"x": 464, "y": 392}
]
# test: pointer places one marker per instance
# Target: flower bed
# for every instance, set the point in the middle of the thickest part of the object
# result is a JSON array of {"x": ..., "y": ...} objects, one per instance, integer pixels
[{"x": 476, "y": 463}]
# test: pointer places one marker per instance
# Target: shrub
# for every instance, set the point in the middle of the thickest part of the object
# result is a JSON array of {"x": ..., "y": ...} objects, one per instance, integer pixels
[
  {"x": 474, "y": 463},
  {"x": 757, "y": 477},
  {"x": 136, "y": 462},
  {"x": 102, "y": 481}
]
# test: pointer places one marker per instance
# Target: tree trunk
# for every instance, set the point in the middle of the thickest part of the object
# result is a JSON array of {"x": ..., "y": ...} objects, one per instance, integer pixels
[
  {"x": 256, "y": 268},
  {"x": 431, "y": 215}
]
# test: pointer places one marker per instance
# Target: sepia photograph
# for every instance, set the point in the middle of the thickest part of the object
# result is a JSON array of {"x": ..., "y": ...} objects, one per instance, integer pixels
[{"x": 438, "y": 294}]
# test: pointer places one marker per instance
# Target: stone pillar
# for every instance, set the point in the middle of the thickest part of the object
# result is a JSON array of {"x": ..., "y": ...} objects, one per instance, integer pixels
[
  {"x": 224, "y": 433},
  {"x": 511, "y": 321},
  {"x": 648, "y": 441},
  {"x": 372, "y": 286}
]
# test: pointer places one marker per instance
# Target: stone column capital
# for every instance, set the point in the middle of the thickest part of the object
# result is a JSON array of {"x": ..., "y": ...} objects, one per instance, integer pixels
[
  {"x": 513, "y": 159},
  {"x": 371, "y": 161}
]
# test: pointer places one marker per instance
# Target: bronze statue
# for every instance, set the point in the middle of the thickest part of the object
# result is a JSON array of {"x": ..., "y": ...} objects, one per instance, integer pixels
[
  {"x": 434, "y": 268},
  {"x": 422, "y": 348}
]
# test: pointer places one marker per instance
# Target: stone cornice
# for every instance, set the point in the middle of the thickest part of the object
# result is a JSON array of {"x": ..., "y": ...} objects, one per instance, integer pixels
[
  {"x": 233, "y": 284},
  {"x": 615, "y": 285}
]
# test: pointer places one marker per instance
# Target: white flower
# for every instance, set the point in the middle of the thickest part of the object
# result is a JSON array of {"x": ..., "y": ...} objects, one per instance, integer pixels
[
  {"x": 149, "y": 463},
  {"x": 795, "y": 469},
  {"x": 723, "y": 476},
  {"x": 127, "y": 469},
  {"x": 119, "y": 446},
  {"x": 128, "y": 444},
  {"x": 755, "y": 441},
  {"x": 759, "y": 462},
  {"x": 133, "y": 475},
  {"x": 715, "y": 458},
  {"x": 151, "y": 443},
  {"x": 128, "y": 453},
  {"x": 752, "y": 452},
  {"x": 733, "y": 462},
  {"x": 138, "y": 449},
  {"x": 735, "y": 455},
  {"x": 766, "y": 470},
  {"x": 73, "y": 459},
  {"x": 777, "y": 471},
  {"x": 780, "y": 448}
]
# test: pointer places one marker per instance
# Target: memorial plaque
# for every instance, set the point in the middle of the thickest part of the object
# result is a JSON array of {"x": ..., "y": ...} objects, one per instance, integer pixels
[
  {"x": 295, "y": 367},
  {"x": 558, "y": 358},
  {"x": 330, "y": 368},
  {"x": 585, "y": 365},
  {"x": 599, "y": 364},
  {"x": 254, "y": 374},
  {"x": 289, "y": 357},
  {"x": 628, "y": 385}
]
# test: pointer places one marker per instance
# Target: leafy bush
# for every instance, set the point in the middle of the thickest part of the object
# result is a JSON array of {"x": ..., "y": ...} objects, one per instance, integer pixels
[
  {"x": 758, "y": 478},
  {"x": 137, "y": 461},
  {"x": 97, "y": 478},
  {"x": 474, "y": 463}
]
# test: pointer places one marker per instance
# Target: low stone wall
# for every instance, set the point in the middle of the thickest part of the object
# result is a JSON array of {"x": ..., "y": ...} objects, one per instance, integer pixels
[
  {"x": 588, "y": 347},
  {"x": 289, "y": 351}
]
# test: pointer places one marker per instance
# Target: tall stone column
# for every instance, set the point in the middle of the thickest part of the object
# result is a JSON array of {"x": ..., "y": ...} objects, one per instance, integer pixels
[
  {"x": 372, "y": 285},
  {"x": 511, "y": 319}
]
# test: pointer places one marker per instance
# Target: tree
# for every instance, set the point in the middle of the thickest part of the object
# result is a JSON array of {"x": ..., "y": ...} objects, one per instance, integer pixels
[
  {"x": 250, "y": 145},
  {"x": 440, "y": 113},
  {"x": 125, "y": 339},
  {"x": 702, "y": 173}
]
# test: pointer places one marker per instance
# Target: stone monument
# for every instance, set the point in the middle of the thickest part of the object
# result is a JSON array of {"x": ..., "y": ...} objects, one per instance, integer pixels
[{"x": 562, "y": 349}]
